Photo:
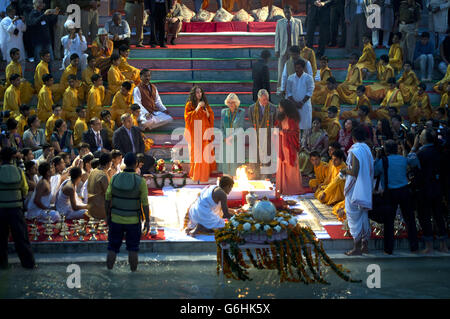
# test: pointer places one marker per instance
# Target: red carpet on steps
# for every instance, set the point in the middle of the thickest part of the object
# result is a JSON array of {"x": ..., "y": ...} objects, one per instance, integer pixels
[{"x": 233, "y": 26}]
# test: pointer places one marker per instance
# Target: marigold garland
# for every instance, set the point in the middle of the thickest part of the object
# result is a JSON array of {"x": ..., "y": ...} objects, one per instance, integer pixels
[{"x": 290, "y": 255}]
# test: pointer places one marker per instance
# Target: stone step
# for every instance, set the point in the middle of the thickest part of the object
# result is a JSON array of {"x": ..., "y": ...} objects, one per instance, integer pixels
[
  {"x": 209, "y": 86},
  {"x": 205, "y": 75}
]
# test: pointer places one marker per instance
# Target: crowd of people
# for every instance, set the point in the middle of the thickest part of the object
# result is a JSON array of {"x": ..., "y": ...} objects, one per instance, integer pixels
[{"x": 70, "y": 148}]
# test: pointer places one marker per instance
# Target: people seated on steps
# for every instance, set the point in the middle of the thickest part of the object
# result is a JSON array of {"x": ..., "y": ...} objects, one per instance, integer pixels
[
  {"x": 121, "y": 102},
  {"x": 367, "y": 60},
  {"x": 347, "y": 89},
  {"x": 40, "y": 206},
  {"x": 332, "y": 99},
  {"x": 408, "y": 82},
  {"x": 320, "y": 84},
  {"x": 42, "y": 69},
  {"x": 320, "y": 171},
  {"x": 393, "y": 98},
  {"x": 14, "y": 67},
  {"x": 377, "y": 91},
  {"x": 153, "y": 112},
  {"x": 361, "y": 99},
  {"x": 67, "y": 202},
  {"x": 209, "y": 210},
  {"x": 420, "y": 107},
  {"x": 333, "y": 192}
]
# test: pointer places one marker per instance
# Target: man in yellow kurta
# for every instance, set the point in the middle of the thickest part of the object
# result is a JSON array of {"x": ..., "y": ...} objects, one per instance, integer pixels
[
  {"x": 378, "y": 90},
  {"x": 347, "y": 89},
  {"x": 41, "y": 70},
  {"x": 320, "y": 170},
  {"x": 14, "y": 67},
  {"x": 320, "y": 87},
  {"x": 45, "y": 99},
  {"x": 87, "y": 74},
  {"x": 22, "y": 119},
  {"x": 333, "y": 126},
  {"x": 393, "y": 98},
  {"x": 366, "y": 62},
  {"x": 70, "y": 100},
  {"x": 107, "y": 123},
  {"x": 396, "y": 52},
  {"x": 115, "y": 76},
  {"x": 408, "y": 82},
  {"x": 333, "y": 192},
  {"x": 72, "y": 69},
  {"x": 121, "y": 102},
  {"x": 11, "y": 100},
  {"x": 130, "y": 72},
  {"x": 307, "y": 54},
  {"x": 361, "y": 99},
  {"x": 80, "y": 126},
  {"x": 95, "y": 98},
  {"x": 332, "y": 99},
  {"x": 444, "y": 99},
  {"x": 50, "y": 124},
  {"x": 420, "y": 107},
  {"x": 441, "y": 86}
]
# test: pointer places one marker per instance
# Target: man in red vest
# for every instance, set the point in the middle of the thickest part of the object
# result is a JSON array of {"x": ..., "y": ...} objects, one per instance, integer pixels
[{"x": 153, "y": 111}]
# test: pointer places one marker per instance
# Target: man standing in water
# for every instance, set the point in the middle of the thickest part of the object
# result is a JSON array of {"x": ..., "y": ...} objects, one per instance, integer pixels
[{"x": 125, "y": 196}]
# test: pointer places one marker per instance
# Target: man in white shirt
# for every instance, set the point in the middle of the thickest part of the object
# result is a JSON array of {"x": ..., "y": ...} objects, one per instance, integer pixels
[
  {"x": 299, "y": 88},
  {"x": 118, "y": 30},
  {"x": 153, "y": 112},
  {"x": 11, "y": 33},
  {"x": 289, "y": 67},
  {"x": 72, "y": 43},
  {"x": 286, "y": 35}
]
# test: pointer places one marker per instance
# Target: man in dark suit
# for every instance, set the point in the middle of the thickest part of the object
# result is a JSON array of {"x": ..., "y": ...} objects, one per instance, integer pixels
[
  {"x": 429, "y": 186},
  {"x": 96, "y": 137},
  {"x": 318, "y": 14},
  {"x": 157, "y": 10},
  {"x": 261, "y": 75},
  {"x": 128, "y": 139}
]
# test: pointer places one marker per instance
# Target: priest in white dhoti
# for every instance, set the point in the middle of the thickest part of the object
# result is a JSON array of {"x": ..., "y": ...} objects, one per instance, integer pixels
[
  {"x": 153, "y": 112},
  {"x": 209, "y": 209},
  {"x": 299, "y": 88},
  {"x": 358, "y": 191}
]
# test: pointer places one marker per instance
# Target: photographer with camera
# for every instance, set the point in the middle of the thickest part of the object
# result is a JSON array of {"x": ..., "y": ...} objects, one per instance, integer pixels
[
  {"x": 397, "y": 193},
  {"x": 429, "y": 185}
]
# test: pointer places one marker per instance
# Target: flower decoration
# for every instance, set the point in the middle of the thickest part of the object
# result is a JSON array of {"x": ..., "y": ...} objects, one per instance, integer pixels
[
  {"x": 176, "y": 167},
  {"x": 160, "y": 166}
]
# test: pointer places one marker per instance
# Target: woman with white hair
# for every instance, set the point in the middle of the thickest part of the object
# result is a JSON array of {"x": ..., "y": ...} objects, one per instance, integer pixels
[
  {"x": 232, "y": 120},
  {"x": 74, "y": 42}
]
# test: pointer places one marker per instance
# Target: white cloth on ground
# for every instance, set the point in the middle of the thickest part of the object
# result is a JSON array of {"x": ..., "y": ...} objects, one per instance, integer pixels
[
  {"x": 205, "y": 211},
  {"x": 298, "y": 88}
]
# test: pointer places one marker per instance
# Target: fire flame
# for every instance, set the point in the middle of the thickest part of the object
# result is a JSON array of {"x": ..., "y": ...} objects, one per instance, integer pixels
[{"x": 241, "y": 180}]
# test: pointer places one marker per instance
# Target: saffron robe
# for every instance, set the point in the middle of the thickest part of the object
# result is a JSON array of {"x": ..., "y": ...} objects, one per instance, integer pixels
[
  {"x": 353, "y": 114},
  {"x": 78, "y": 129},
  {"x": 396, "y": 57},
  {"x": 320, "y": 87},
  {"x": 320, "y": 172},
  {"x": 45, "y": 103},
  {"x": 26, "y": 89},
  {"x": 407, "y": 84},
  {"x": 70, "y": 104},
  {"x": 367, "y": 59},
  {"x": 201, "y": 164},
  {"x": 420, "y": 108},
  {"x": 95, "y": 100},
  {"x": 378, "y": 90},
  {"x": 347, "y": 89}
]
